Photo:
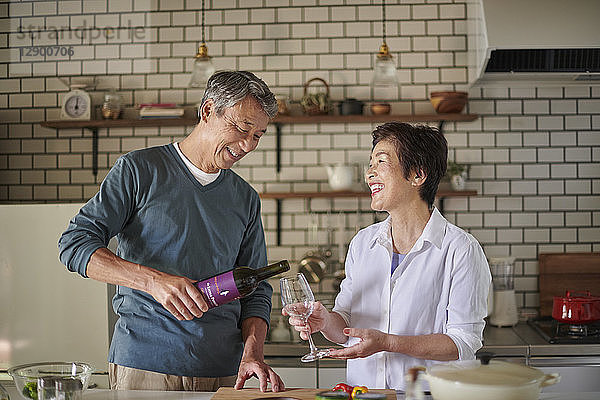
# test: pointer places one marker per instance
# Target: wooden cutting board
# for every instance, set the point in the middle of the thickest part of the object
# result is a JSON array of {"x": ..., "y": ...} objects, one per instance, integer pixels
[
  {"x": 227, "y": 393},
  {"x": 567, "y": 271}
]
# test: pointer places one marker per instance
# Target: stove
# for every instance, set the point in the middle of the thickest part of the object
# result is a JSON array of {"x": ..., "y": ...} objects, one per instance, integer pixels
[{"x": 559, "y": 333}]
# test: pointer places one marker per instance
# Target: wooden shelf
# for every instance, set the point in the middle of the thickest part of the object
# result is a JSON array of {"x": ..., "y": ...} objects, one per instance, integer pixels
[
  {"x": 281, "y": 119},
  {"x": 323, "y": 119},
  {"x": 280, "y": 196},
  {"x": 187, "y": 120},
  {"x": 314, "y": 195},
  {"x": 119, "y": 123}
]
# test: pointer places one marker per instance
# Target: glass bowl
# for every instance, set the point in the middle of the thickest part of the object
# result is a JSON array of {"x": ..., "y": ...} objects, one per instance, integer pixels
[
  {"x": 26, "y": 376},
  {"x": 3, "y": 393}
]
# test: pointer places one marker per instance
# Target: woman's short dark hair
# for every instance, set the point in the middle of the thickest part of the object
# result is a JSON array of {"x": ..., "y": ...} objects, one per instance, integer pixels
[
  {"x": 227, "y": 88},
  {"x": 420, "y": 148}
]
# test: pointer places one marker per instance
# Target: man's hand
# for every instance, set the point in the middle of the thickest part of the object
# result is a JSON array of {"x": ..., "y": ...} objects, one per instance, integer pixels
[
  {"x": 178, "y": 295},
  {"x": 254, "y": 332},
  {"x": 371, "y": 341},
  {"x": 316, "y": 322},
  {"x": 262, "y": 371}
]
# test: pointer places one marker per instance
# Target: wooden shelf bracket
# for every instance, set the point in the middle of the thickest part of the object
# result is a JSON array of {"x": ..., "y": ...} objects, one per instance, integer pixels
[
  {"x": 278, "y": 147},
  {"x": 94, "y": 151}
]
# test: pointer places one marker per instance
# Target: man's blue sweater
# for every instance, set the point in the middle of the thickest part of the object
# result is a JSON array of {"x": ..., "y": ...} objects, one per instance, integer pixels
[{"x": 165, "y": 219}]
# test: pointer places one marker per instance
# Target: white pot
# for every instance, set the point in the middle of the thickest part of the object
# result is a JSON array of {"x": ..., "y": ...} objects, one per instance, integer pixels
[
  {"x": 280, "y": 333},
  {"x": 497, "y": 380},
  {"x": 457, "y": 182},
  {"x": 341, "y": 177}
]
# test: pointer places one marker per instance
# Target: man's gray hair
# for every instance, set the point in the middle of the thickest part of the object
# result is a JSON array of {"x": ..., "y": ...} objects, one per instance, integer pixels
[{"x": 227, "y": 88}]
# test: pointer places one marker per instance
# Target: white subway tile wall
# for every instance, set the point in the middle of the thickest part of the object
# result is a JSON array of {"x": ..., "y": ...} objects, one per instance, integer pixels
[{"x": 533, "y": 154}]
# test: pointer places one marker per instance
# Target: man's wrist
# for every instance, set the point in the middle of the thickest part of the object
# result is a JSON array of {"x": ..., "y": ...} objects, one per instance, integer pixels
[
  {"x": 254, "y": 332},
  {"x": 252, "y": 353}
]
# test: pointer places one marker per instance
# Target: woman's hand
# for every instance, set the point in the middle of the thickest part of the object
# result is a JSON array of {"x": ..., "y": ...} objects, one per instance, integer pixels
[
  {"x": 371, "y": 341},
  {"x": 317, "y": 321}
]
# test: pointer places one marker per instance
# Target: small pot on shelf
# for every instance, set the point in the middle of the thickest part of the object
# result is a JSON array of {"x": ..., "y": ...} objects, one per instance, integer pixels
[
  {"x": 457, "y": 182},
  {"x": 380, "y": 108},
  {"x": 280, "y": 332},
  {"x": 351, "y": 107},
  {"x": 340, "y": 176},
  {"x": 448, "y": 102},
  {"x": 457, "y": 174}
]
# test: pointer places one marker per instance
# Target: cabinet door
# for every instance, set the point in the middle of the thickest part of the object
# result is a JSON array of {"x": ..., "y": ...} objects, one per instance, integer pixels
[
  {"x": 36, "y": 290},
  {"x": 329, "y": 377},
  {"x": 100, "y": 380},
  {"x": 578, "y": 374},
  {"x": 292, "y": 377}
]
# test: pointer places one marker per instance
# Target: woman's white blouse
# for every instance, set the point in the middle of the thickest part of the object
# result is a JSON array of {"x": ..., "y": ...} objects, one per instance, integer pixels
[{"x": 441, "y": 286}]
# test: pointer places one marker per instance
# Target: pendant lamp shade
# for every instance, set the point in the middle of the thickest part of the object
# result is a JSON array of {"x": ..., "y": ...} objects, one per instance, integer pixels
[
  {"x": 385, "y": 68},
  {"x": 203, "y": 67},
  {"x": 385, "y": 79}
]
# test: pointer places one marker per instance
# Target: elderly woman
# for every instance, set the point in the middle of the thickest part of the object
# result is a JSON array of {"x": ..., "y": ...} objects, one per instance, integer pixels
[{"x": 416, "y": 285}]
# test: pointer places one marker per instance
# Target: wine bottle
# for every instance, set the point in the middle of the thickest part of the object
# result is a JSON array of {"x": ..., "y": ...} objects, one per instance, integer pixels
[{"x": 236, "y": 283}]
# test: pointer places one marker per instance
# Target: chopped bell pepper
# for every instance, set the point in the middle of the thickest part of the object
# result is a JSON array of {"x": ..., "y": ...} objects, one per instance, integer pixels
[
  {"x": 343, "y": 387},
  {"x": 359, "y": 389}
]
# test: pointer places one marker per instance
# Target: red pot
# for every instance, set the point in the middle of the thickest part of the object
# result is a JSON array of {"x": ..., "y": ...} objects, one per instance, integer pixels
[{"x": 576, "y": 308}]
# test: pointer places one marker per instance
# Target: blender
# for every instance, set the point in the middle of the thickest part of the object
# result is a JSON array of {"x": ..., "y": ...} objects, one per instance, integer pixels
[{"x": 504, "y": 310}]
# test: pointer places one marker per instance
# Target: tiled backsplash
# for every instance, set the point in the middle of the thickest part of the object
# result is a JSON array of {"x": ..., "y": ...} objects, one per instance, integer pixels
[{"x": 533, "y": 153}]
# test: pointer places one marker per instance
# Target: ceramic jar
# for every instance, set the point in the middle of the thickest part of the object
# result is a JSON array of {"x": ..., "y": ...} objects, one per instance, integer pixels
[{"x": 112, "y": 106}]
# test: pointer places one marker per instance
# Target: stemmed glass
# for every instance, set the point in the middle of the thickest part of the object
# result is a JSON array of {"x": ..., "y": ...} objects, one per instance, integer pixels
[{"x": 298, "y": 300}]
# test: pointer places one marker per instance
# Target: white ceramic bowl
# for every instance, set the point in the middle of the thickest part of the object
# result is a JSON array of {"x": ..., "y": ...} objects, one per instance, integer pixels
[{"x": 498, "y": 380}]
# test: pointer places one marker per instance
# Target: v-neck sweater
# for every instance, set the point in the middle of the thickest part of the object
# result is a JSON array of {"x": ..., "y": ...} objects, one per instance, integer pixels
[{"x": 165, "y": 219}]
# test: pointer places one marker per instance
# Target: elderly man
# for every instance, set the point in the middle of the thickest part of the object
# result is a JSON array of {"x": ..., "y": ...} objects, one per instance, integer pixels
[{"x": 181, "y": 215}]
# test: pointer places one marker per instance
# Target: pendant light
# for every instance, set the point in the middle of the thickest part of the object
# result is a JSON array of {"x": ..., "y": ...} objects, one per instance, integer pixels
[
  {"x": 203, "y": 67},
  {"x": 385, "y": 81}
]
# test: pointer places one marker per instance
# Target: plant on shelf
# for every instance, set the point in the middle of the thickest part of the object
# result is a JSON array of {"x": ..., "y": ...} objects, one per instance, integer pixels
[
  {"x": 457, "y": 173},
  {"x": 455, "y": 168}
]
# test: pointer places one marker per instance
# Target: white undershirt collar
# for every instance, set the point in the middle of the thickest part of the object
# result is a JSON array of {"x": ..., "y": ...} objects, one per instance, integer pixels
[{"x": 203, "y": 177}]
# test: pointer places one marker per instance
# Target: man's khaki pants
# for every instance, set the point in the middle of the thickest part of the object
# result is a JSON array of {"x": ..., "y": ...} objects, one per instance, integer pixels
[{"x": 125, "y": 378}]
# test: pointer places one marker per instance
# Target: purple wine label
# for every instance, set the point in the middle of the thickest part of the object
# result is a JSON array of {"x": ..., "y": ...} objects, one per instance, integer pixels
[{"x": 219, "y": 289}]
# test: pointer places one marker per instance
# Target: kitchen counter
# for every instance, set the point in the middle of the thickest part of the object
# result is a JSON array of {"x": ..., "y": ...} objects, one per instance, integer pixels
[
  {"x": 522, "y": 337},
  {"x": 520, "y": 344},
  {"x": 578, "y": 364},
  {"x": 518, "y": 341},
  {"x": 103, "y": 394},
  {"x": 539, "y": 347}
]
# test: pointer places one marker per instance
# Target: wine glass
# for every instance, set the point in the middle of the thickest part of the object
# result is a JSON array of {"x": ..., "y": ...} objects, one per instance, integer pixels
[{"x": 298, "y": 301}]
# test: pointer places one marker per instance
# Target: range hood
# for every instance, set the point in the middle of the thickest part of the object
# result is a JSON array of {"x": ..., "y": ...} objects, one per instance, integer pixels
[{"x": 516, "y": 41}]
